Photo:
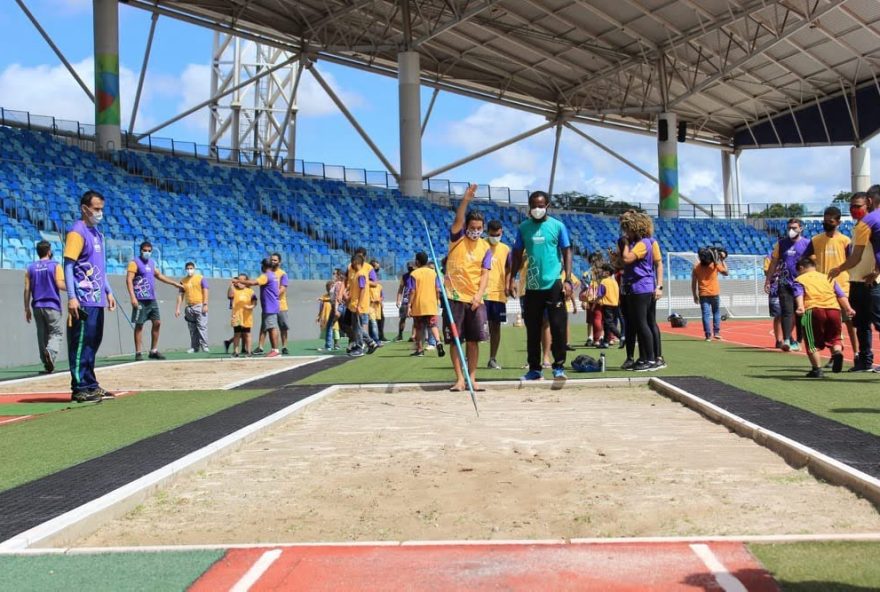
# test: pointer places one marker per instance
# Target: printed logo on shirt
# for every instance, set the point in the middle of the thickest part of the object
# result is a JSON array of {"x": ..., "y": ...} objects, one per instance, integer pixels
[{"x": 538, "y": 239}]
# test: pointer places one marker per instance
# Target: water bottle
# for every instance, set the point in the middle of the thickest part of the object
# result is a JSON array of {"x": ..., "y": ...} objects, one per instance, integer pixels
[{"x": 602, "y": 361}]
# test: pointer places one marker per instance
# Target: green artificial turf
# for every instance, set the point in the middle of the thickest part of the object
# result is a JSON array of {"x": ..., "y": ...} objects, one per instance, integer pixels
[
  {"x": 35, "y": 448},
  {"x": 850, "y": 399},
  {"x": 822, "y": 567},
  {"x": 32, "y": 408},
  {"x": 113, "y": 572}
]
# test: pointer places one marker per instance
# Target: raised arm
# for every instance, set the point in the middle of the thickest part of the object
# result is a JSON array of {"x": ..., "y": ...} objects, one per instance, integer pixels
[{"x": 461, "y": 212}]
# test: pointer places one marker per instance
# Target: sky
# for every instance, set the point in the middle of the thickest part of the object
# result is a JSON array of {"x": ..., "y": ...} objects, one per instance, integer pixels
[{"x": 33, "y": 79}]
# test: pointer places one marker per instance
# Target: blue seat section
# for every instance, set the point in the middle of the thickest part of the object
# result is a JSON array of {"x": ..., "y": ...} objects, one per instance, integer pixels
[{"x": 226, "y": 219}]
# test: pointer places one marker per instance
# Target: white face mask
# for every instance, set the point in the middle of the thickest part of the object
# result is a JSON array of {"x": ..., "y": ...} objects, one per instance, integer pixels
[
  {"x": 95, "y": 217},
  {"x": 538, "y": 213},
  {"x": 474, "y": 234},
  {"x": 793, "y": 234},
  {"x": 190, "y": 272},
  {"x": 493, "y": 240}
]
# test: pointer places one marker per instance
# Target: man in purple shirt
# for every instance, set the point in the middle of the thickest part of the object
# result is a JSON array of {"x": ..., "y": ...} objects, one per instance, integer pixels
[
  {"x": 789, "y": 250},
  {"x": 88, "y": 293},
  {"x": 43, "y": 284},
  {"x": 141, "y": 282},
  {"x": 269, "y": 302}
]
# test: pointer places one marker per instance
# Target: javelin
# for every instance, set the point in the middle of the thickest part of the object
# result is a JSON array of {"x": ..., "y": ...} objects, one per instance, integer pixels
[{"x": 453, "y": 329}]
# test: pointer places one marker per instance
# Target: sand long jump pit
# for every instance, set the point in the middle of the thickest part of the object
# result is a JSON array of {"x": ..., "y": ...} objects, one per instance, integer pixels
[
  {"x": 411, "y": 464},
  {"x": 166, "y": 375}
]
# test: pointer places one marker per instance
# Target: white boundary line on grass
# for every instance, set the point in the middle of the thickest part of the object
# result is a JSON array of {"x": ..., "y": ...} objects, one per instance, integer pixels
[
  {"x": 118, "y": 501},
  {"x": 873, "y": 537},
  {"x": 15, "y": 419},
  {"x": 793, "y": 451}
]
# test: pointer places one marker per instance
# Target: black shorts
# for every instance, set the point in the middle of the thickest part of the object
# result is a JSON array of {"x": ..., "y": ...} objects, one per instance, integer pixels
[
  {"x": 471, "y": 324},
  {"x": 240, "y": 329},
  {"x": 496, "y": 312}
]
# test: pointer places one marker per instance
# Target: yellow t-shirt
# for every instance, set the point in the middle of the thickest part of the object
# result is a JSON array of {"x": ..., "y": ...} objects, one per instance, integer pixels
[
  {"x": 497, "y": 287},
  {"x": 192, "y": 289},
  {"x": 861, "y": 238},
  {"x": 376, "y": 302},
  {"x": 464, "y": 266},
  {"x": 423, "y": 300},
  {"x": 818, "y": 290},
  {"x": 241, "y": 315},
  {"x": 830, "y": 252},
  {"x": 612, "y": 292},
  {"x": 358, "y": 299}
]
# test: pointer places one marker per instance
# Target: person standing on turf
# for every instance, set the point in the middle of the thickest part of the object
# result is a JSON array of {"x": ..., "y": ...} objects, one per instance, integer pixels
[
  {"x": 863, "y": 265},
  {"x": 707, "y": 291},
  {"x": 88, "y": 293},
  {"x": 773, "y": 298},
  {"x": 424, "y": 304},
  {"x": 243, "y": 303},
  {"x": 283, "y": 281},
  {"x": 830, "y": 249},
  {"x": 43, "y": 284},
  {"x": 359, "y": 276},
  {"x": 377, "y": 301},
  {"x": 140, "y": 280},
  {"x": 789, "y": 250},
  {"x": 546, "y": 243},
  {"x": 404, "y": 289},
  {"x": 269, "y": 293},
  {"x": 468, "y": 262},
  {"x": 638, "y": 251},
  {"x": 195, "y": 290},
  {"x": 496, "y": 291}
]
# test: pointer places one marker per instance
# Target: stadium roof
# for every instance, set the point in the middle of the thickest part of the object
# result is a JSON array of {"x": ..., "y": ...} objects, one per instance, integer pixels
[{"x": 742, "y": 73}]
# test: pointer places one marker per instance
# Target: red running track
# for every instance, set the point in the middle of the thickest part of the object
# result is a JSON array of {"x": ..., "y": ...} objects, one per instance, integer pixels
[
  {"x": 609, "y": 567},
  {"x": 757, "y": 333}
]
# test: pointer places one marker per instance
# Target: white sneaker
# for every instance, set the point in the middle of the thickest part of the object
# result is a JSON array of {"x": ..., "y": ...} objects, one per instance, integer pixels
[
  {"x": 206, "y": 350},
  {"x": 431, "y": 347},
  {"x": 190, "y": 351}
]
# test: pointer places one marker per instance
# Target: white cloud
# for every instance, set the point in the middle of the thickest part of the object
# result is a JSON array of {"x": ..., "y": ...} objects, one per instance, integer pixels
[
  {"x": 513, "y": 180},
  {"x": 51, "y": 90}
]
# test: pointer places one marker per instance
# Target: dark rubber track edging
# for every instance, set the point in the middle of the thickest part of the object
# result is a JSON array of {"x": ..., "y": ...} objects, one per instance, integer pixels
[
  {"x": 860, "y": 450},
  {"x": 31, "y": 504},
  {"x": 293, "y": 375}
]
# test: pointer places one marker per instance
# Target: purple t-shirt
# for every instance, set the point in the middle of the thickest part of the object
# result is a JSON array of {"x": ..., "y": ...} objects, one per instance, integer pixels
[
  {"x": 638, "y": 276},
  {"x": 872, "y": 221},
  {"x": 790, "y": 252},
  {"x": 269, "y": 294},
  {"x": 89, "y": 269},
  {"x": 144, "y": 280},
  {"x": 44, "y": 289},
  {"x": 408, "y": 285}
]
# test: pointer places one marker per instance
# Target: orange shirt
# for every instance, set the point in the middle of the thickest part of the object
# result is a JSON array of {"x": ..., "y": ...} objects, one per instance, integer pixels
[{"x": 707, "y": 280}]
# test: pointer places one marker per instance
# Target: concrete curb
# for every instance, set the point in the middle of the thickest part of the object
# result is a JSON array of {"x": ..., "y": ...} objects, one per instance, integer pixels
[{"x": 793, "y": 452}]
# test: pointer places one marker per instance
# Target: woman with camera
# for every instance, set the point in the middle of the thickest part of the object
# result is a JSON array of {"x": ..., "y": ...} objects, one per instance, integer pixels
[
  {"x": 706, "y": 290},
  {"x": 642, "y": 286}
]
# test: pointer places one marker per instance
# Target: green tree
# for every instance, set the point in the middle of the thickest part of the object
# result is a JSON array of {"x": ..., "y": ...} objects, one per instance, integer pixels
[
  {"x": 842, "y": 197},
  {"x": 592, "y": 203},
  {"x": 778, "y": 210}
]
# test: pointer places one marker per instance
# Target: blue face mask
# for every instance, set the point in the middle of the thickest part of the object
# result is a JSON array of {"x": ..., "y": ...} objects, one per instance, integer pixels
[{"x": 145, "y": 255}]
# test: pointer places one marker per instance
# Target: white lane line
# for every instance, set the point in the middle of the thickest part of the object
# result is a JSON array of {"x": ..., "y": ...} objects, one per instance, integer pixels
[
  {"x": 15, "y": 419},
  {"x": 725, "y": 579},
  {"x": 256, "y": 571}
]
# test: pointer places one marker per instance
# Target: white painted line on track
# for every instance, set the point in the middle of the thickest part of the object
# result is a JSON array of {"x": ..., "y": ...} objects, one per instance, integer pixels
[
  {"x": 725, "y": 579},
  {"x": 256, "y": 571},
  {"x": 115, "y": 500}
]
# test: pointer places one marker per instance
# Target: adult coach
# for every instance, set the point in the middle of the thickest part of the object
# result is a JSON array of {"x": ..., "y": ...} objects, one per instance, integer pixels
[
  {"x": 43, "y": 284},
  {"x": 194, "y": 289},
  {"x": 546, "y": 242},
  {"x": 88, "y": 292},
  {"x": 862, "y": 265},
  {"x": 141, "y": 282},
  {"x": 467, "y": 275},
  {"x": 496, "y": 291},
  {"x": 789, "y": 250},
  {"x": 269, "y": 294},
  {"x": 283, "y": 281},
  {"x": 707, "y": 291}
]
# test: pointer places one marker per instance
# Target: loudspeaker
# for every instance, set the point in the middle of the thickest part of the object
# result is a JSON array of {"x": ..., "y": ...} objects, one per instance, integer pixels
[
  {"x": 662, "y": 130},
  {"x": 682, "y": 131}
]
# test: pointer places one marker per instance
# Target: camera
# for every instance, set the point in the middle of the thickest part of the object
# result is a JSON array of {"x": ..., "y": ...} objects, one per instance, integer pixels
[{"x": 712, "y": 254}]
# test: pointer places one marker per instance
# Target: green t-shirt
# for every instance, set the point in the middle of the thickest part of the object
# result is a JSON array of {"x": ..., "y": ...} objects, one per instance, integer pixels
[{"x": 542, "y": 242}]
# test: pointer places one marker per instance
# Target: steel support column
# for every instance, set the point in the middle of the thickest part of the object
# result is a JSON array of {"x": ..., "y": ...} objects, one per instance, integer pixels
[
  {"x": 727, "y": 183},
  {"x": 409, "y": 92},
  {"x": 555, "y": 159},
  {"x": 108, "y": 112},
  {"x": 860, "y": 166}
]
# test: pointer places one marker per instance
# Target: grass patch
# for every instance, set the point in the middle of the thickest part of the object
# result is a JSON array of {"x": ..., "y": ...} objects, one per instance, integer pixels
[
  {"x": 108, "y": 571},
  {"x": 822, "y": 567},
  {"x": 775, "y": 375},
  {"x": 36, "y": 448},
  {"x": 32, "y": 408}
]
